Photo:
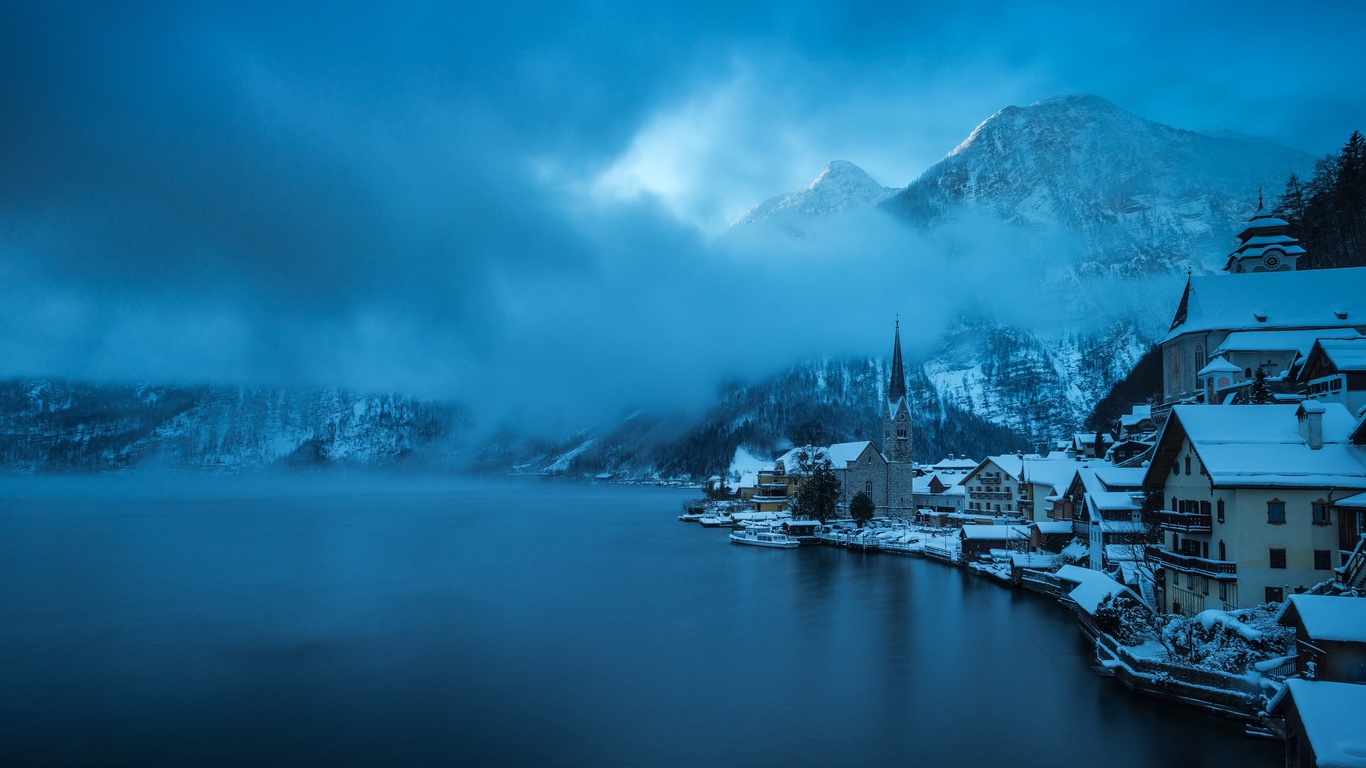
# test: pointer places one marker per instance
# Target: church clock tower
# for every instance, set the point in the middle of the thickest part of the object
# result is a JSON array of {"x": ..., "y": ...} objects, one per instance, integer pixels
[{"x": 896, "y": 412}]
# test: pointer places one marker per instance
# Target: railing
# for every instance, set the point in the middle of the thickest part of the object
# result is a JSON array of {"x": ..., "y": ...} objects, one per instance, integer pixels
[
  {"x": 1001, "y": 495},
  {"x": 1185, "y": 521},
  {"x": 1351, "y": 571},
  {"x": 1192, "y": 564}
]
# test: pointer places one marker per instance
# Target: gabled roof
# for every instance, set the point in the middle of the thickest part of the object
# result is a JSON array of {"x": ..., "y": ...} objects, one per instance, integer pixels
[
  {"x": 1219, "y": 365},
  {"x": 1247, "y": 446},
  {"x": 1281, "y": 341},
  {"x": 995, "y": 532},
  {"x": 1056, "y": 473},
  {"x": 1329, "y": 617},
  {"x": 1009, "y": 464},
  {"x": 840, "y": 454},
  {"x": 1137, "y": 415},
  {"x": 1331, "y": 713},
  {"x": 1120, "y": 478},
  {"x": 1345, "y": 354},
  {"x": 1316, "y": 298}
]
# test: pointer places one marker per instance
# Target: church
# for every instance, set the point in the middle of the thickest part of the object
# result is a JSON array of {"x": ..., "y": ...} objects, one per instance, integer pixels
[{"x": 1262, "y": 313}]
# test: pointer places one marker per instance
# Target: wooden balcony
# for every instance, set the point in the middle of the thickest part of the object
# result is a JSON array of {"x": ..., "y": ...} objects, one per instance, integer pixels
[
  {"x": 1220, "y": 569},
  {"x": 1189, "y": 522}
]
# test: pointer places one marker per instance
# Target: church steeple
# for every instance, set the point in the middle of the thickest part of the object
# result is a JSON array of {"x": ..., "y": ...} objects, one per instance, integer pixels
[
  {"x": 896, "y": 389},
  {"x": 896, "y": 413}
]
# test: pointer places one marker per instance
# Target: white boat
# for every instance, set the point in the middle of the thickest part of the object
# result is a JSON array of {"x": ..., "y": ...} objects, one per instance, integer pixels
[
  {"x": 716, "y": 521},
  {"x": 763, "y": 538}
]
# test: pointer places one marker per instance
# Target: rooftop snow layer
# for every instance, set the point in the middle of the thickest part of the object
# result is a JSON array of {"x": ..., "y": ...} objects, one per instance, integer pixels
[
  {"x": 1331, "y": 617},
  {"x": 1281, "y": 341},
  {"x": 1302, "y": 299},
  {"x": 1260, "y": 445},
  {"x": 1332, "y": 717}
]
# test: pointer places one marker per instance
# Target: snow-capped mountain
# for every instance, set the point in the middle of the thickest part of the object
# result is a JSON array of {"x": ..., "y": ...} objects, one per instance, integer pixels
[
  {"x": 840, "y": 186},
  {"x": 60, "y": 426},
  {"x": 1145, "y": 197}
]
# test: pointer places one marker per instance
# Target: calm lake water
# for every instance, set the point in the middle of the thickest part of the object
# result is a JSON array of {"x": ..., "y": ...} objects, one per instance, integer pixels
[{"x": 328, "y": 622}]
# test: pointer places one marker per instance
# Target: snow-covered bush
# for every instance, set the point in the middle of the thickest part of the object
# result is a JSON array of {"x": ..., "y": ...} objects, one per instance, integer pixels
[
  {"x": 1228, "y": 641},
  {"x": 1124, "y": 619}
]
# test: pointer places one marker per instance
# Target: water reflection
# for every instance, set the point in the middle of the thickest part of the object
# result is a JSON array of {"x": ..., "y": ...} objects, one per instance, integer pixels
[{"x": 525, "y": 625}]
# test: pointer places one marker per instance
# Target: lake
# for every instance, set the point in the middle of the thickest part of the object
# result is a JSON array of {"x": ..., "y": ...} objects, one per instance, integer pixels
[{"x": 389, "y": 621}]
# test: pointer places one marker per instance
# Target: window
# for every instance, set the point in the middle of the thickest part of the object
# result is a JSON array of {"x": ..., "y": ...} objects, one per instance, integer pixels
[
  {"x": 1278, "y": 558},
  {"x": 1188, "y": 465},
  {"x": 1174, "y": 506},
  {"x": 1275, "y": 594},
  {"x": 1176, "y": 468},
  {"x": 1202, "y": 469},
  {"x": 868, "y": 487},
  {"x": 1223, "y": 554},
  {"x": 1320, "y": 513},
  {"x": 1220, "y": 506},
  {"x": 1190, "y": 581},
  {"x": 1223, "y": 591},
  {"x": 1275, "y": 512},
  {"x": 1204, "y": 584},
  {"x": 1204, "y": 508},
  {"x": 1323, "y": 559}
]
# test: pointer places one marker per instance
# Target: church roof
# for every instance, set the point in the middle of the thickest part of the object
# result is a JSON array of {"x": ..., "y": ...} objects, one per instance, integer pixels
[
  {"x": 1318, "y": 298},
  {"x": 896, "y": 388}
]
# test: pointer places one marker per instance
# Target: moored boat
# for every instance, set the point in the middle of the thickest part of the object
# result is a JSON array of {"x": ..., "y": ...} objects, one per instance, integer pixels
[{"x": 763, "y": 538}]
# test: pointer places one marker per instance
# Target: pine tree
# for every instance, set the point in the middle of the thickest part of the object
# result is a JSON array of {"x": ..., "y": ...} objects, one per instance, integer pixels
[
  {"x": 1260, "y": 394},
  {"x": 861, "y": 508}
]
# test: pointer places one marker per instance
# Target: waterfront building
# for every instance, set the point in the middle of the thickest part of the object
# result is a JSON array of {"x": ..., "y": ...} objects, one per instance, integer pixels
[
  {"x": 1330, "y": 636},
  {"x": 1249, "y": 498},
  {"x": 1322, "y": 723}
]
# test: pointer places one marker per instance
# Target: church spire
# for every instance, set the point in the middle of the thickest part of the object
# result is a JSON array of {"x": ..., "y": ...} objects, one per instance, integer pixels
[{"x": 896, "y": 389}]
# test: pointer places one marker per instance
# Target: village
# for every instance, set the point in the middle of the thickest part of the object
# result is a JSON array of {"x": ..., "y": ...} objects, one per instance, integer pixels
[{"x": 1213, "y": 545}]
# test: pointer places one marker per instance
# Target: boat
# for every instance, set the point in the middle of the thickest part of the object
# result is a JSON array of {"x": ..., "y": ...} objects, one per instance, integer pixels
[
  {"x": 692, "y": 513},
  {"x": 763, "y": 538},
  {"x": 716, "y": 521}
]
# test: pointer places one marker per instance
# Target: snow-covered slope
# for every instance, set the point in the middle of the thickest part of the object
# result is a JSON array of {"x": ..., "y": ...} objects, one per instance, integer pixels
[
  {"x": 1145, "y": 197},
  {"x": 840, "y": 186},
  {"x": 53, "y": 425}
]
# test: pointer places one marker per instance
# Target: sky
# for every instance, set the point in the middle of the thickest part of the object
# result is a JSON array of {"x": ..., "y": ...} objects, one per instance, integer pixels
[{"x": 519, "y": 205}]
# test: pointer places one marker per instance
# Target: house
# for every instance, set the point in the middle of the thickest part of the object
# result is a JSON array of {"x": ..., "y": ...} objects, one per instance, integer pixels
[
  {"x": 1251, "y": 492},
  {"x": 1283, "y": 313},
  {"x": 1116, "y": 533},
  {"x": 1335, "y": 372},
  {"x": 981, "y": 539},
  {"x": 1126, "y": 451},
  {"x": 1330, "y": 636},
  {"x": 993, "y": 486},
  {"x": 1090, "y": 445},
  {"x": 1137, "y": 422},
  {"x": 1323, "y": 723},
  {"x": 1050, "y": 535},
  {"x": 1041, "y": 483},
  {"x": 940, "y": 492}
]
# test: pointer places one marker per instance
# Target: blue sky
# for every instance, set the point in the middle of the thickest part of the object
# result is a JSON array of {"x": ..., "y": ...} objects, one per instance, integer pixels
[{"x": 452, "y": 200}]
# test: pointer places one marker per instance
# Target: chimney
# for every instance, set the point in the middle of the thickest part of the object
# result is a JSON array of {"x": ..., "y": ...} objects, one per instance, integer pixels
[{"x": 1310, "y": 416}]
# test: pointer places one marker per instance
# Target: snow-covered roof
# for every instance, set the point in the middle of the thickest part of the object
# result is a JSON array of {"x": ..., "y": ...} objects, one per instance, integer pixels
[
  {"x": 1092, "y": 587},
  {"x": 1281, "y": 341},
  {"x": 1346, "y": 354},
  {"x": 1315, "y": 298},
  {"x": 842, "y": 453},
  {"x": 1097, "y": 503},
  {"x": 965, "y": 464},
  {"x": 1120, "y": 478},
  {"x": 1331, "y": 617},
  {"x": 1331, "y": 713},
  {"x": 1053, "y": 527},
  {"x": 1053, "y": 472},
  {"x": 1138, "y": 414},
  {"x": 1001, "y": 532},
  {"x": 1355, "y": 502},
  {"x": 1115, "y": 553},
  {"x": 1076, "y": 550},
  {"x": 1261, "y": 446},
  {"x": 839, "y": 454},
  {"x": 1009, "y": 464},
  {"x": 1219, "y": 365}
]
